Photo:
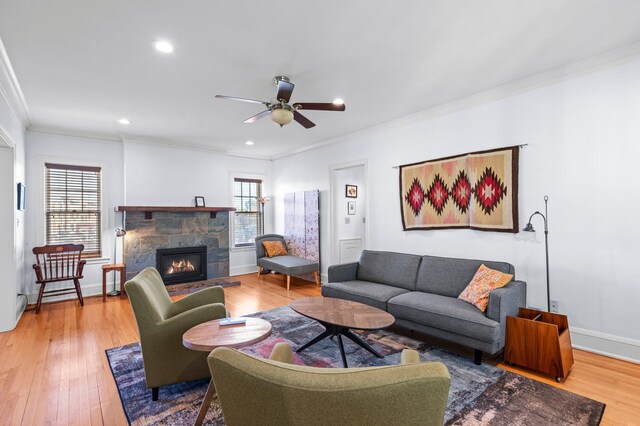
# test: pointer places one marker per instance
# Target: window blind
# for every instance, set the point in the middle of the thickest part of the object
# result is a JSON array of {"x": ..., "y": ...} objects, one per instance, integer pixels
[
  {"x": 248, "y": 217},
  {"x": 73, "y": 206}
]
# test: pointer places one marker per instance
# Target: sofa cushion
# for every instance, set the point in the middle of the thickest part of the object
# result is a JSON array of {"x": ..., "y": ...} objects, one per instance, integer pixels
[
  {"x": 445, "y": 313},
  {"x": 290, "y": 265},
  {"x": 369, "y": 293},
  {"x": 448, "y": 276},
  {"x": 274, "y": 248},
  {"x": 396, "y": 269}
]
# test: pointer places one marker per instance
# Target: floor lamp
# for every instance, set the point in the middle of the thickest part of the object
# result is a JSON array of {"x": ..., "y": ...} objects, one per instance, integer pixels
[
  {"x": 119, "y": 233},
  {"x": 529, "y": 228},
  {"x": 263, "y": 201}
]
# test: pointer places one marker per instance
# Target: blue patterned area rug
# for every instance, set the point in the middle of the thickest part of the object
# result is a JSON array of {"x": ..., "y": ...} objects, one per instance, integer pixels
[{"x": 479, "y": 395}]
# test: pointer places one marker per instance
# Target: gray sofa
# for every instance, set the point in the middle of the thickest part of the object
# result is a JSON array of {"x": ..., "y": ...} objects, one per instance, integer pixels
[
  {"x": 421, "y": 293},
  {"x": 287, "y": 265}
]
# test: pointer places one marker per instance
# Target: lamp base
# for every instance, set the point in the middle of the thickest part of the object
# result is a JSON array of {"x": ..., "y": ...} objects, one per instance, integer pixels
[{"x": 114, "y": 293}]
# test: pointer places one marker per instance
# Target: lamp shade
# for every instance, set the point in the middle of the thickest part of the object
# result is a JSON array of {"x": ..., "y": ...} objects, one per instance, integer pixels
[
  {"x": 120, "y": 232},
  {"x": 529, "y": 228},
  {"x": 281, "y": 116}
]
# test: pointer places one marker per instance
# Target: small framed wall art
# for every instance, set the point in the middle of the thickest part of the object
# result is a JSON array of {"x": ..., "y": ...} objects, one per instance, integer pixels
[
  {"x": 351, "y": 191},
  {"x": 351, "y": 207},
  {"x": 21, "y": 196},
  {"x": 200, "y": 202}
]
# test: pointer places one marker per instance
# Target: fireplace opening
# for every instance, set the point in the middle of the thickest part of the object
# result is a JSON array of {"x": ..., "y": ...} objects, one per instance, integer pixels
[{"x": 182, "y": 264}]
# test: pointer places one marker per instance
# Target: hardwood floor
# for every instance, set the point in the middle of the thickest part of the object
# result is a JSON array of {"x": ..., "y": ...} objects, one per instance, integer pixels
[{"x": 53, "y": 367}]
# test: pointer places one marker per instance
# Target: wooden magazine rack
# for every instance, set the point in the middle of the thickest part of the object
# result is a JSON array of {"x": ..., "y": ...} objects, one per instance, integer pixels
[{"x": 540, "y": 341}]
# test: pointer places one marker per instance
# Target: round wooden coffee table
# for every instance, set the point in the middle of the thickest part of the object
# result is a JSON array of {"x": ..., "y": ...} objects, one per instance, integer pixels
[
  {"x": 210, "y": 335},
  {"x": 339, "y": 316}
]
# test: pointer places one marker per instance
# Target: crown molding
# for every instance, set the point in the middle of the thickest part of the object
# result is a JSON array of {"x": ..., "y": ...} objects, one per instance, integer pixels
[
  {"x": 6, "y": 137},
  {"x": 169, "y": 143},
  {"x": 625, "y": 53},
  {"x": 100, "y": 137},
  {"x": 10, "y": 89}
]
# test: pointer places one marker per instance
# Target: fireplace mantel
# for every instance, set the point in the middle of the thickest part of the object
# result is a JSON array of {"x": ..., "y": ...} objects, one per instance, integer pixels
[{"x": 148, "y": 210}]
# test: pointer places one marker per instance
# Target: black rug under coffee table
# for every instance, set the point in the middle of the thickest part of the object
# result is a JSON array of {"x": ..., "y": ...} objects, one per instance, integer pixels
[{"x": 479, "y": 395}]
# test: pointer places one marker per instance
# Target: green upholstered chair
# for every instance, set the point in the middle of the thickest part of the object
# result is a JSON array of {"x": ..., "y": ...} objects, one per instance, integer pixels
[
  {"x": 254, "y": 391},
  {"x": 161, "y": 324}
]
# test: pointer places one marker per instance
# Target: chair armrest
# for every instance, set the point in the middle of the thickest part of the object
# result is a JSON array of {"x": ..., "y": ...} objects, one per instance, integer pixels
[
  {"x": 199, "y": 298},
  {"x": 282, "y": 352},
  {"x": 38, "y": 270},
  {"x": 180, "y": 323},
  {"x": 343, "y": 272},
  {"x": 505, "y": 301},
  {"x": 409, "y": 356},
  {"x": 81, "y": 267}
]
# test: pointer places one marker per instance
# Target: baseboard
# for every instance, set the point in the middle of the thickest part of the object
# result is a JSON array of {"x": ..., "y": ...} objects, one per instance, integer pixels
[
  {"x": 605, "y": 344},
  {"x": 243, "y": 269}
]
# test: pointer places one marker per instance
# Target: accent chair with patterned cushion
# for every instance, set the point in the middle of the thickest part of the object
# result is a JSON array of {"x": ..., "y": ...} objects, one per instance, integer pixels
[
  {"x": 256, "y": 391},
  {"x": 161, "y": 324},
  {"x": 284, "y": 264}
]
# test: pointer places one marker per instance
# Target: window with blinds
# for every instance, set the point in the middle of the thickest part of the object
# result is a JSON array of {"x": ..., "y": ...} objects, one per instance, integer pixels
[
  {"x": 73, "y": 206},
  {"x": 248, "y": 216}
]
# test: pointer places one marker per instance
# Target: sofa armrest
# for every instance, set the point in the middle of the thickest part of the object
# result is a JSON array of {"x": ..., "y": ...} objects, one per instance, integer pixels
[
  {"x": 343, "y": 272},
  {"x": 505, "y": 301},
  {"x": 199, "y": 298}
]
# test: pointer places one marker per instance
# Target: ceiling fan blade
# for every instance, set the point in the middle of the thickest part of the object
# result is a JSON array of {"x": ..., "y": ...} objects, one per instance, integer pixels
[
  {"x": 303, "y": 120},
  {"x": 320, "y": 106},
  {"x": 284, "y": 91},
  {"x": 257, "y": 116},
  {"x": 233, "y": 98}
]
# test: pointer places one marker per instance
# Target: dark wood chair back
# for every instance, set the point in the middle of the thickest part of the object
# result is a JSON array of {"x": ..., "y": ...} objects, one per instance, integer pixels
[{"x": 60, "y": 262}]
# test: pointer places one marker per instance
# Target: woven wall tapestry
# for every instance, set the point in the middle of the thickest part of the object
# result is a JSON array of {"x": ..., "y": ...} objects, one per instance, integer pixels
[{"x": 478, "y": 190}]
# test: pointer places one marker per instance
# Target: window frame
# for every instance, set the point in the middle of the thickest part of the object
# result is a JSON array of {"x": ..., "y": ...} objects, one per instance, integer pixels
[
  {"x": 74, "y": 165},
  {"x": 232, "y": 221}
]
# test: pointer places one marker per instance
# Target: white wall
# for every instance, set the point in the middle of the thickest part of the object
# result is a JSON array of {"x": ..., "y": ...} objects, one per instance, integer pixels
[
  {"x": 584, "y": 142},
  {"x": 45, "y": 147},
  {"x": 165, "y": 175}
]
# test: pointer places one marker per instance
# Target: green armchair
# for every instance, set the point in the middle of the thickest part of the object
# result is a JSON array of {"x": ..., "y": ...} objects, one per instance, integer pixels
[
  {"x": 161, "y": 324},
  {"x": 254, "y": 391}
]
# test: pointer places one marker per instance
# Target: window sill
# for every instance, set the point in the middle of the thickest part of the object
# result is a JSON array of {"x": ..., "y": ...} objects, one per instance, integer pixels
[
  {"x": 98, "y": 260},
  {"x": 243, "y": 248}
]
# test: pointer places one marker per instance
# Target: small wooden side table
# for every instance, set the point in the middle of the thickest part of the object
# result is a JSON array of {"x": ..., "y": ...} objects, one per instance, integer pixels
[
  {"x": 209, "y": 335},
  {"x": 117, "y": 267},
  {"x": 540, "y": 341}
]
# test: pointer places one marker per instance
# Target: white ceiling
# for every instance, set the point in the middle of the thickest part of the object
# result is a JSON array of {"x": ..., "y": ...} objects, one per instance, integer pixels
[{"x": 83, "y": 64}]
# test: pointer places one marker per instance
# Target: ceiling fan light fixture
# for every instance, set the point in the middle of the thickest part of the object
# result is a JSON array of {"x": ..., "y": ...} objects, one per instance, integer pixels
[{"x": 281, "y": 116}]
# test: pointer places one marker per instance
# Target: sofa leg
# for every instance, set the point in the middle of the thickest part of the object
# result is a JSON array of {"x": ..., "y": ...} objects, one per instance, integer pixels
[
  {"x": 317, "y": 277},
  {"x": 288, "y": 281},
  {"x": 154, "y": 393},
  {"x": 259, "y": 271},
  {"x": 477, "y": 356}
]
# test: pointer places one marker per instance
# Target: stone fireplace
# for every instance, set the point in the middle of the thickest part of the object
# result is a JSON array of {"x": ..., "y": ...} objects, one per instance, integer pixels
[{"x": 150, "y": 229}]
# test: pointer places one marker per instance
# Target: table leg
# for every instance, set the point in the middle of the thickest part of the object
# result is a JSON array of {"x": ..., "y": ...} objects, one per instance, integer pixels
[
  {"x": 359, "y": 341},
  {"x": 104, "y": 285},
  {"x": 342, "y": 354},
  {"x": 211, "y": 391},
  {"x": 316, "y": 340},
  {"x": 122, "y": 276}
]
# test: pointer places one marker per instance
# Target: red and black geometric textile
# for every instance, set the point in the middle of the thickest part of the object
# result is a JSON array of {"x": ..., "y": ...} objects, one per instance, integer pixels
[
  {"x": 415, "y": 196},
  {"x": 482, "y": 187}
]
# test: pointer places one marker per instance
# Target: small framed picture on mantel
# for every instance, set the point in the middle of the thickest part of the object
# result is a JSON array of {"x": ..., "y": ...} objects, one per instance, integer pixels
[
  {"x": 351, "y": 191},
  {"x": 200, "y": 201}
]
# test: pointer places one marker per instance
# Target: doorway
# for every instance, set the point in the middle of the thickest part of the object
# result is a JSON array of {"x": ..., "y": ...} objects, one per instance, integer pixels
[{"x": 349, "y": 211}]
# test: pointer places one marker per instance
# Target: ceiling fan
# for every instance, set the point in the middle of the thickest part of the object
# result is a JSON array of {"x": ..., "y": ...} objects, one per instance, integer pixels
[{"x": 281, "y": 111}]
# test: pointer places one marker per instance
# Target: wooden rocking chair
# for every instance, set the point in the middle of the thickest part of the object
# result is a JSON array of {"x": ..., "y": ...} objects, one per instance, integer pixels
[{"x": 60, "y": 262}]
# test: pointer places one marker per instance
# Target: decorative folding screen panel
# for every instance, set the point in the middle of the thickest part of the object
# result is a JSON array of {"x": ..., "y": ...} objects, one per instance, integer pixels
[
  {"x": 302, "y": 225},
  {"x": 478, "y": 190}
]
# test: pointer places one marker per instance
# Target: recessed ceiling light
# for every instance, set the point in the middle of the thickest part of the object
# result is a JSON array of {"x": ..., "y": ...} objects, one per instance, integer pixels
[
  {"x": 338, "y": 101},
  {"x": 163, "y": 46},
  {"x": 249, "y": 143},
  {"x": 124, "y": 121}
]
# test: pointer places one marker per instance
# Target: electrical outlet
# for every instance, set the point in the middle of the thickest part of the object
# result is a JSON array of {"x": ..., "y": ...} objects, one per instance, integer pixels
[
  {"x": 554, "y": 306},
  {"x": 347, "y": 220}
]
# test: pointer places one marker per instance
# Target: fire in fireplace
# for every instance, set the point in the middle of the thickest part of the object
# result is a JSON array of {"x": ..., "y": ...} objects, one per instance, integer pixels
[{"x": 182, "y": 264}]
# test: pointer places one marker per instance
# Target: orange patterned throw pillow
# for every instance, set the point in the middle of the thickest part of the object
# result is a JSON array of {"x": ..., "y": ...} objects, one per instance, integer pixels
[
  {"x": 484, "y": 281},
  {"x": 274, "y": 248}
]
